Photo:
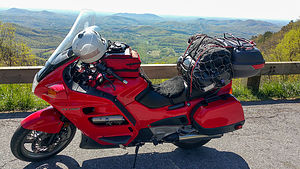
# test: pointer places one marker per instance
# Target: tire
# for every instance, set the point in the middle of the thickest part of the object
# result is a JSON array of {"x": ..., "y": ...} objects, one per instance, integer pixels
[
  {"x": 43, "y": 145},
  {"x": 191, "y": 144}
]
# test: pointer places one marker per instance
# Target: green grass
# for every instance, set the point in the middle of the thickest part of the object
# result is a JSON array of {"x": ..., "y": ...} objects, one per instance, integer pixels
[
  {"x": 269, "y": 89},
  {"x": 281, "y": 90},
  {"x": 18, "y": 97},
  {"x": 242, "y": 93}
]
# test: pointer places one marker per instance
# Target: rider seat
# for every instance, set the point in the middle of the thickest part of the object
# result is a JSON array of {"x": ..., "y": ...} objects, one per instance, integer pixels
[{"x": 171, "y": 92}]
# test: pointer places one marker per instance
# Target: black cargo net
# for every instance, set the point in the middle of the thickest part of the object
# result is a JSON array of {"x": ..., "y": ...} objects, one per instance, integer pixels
[
  {"x": 213, "y": 69},
  {"x": 206, "y": 66}
]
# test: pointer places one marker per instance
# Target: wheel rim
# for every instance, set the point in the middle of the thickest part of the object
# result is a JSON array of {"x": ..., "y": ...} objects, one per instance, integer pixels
[{"x": 37, "y": 144}]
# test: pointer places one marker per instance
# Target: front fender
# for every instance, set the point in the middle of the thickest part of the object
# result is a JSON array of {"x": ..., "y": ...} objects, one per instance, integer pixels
[{"x": 45, "y": 120}]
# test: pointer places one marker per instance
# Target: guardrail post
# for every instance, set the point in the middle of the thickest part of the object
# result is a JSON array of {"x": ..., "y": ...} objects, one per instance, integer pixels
[{"x": 253, "y": 83}]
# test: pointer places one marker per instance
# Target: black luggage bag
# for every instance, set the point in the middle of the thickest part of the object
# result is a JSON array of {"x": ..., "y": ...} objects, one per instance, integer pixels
[
  {"x": 246, "y": 59},
  {"x": 210, "y": 63}
]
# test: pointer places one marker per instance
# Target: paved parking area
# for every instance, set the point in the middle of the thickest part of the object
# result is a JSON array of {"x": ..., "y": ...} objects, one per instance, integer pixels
[{"x": 270, "y": 139}]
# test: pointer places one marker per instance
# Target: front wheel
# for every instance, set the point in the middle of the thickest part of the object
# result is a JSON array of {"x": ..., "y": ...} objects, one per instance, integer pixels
[
  {"x": 191, "y": 144},
  {"x": 31, "y": 145}
]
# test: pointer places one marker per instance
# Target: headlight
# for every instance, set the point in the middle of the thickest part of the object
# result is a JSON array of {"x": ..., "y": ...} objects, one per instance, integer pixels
[{"x": 34, "y": 83}]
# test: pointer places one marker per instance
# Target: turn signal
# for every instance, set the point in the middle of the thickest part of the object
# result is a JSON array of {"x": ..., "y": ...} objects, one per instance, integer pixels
[
  {"x": 230, "y": 91},
  {"x": 51, "y": 93},
  {"x": 56, "y": 89}
]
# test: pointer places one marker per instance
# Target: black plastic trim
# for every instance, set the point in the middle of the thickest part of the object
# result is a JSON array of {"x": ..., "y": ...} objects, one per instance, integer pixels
[
  {"x": 88, "y": 110},
  {"x": 217, "y": 130},
  {"x": 177, "y": 120},
  {"x": 145, "y": 135},
  {"x": 88, "y": 143},
  {"x": 176, "y": 106},
  {"x": 116, "y": 139},
  {"x": 126, "y": 70},
  {"x": 137, "y": 63}
]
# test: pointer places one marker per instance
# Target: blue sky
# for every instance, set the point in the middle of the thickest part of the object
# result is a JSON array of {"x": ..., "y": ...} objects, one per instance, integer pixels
[{"x": 253, "y": 9}]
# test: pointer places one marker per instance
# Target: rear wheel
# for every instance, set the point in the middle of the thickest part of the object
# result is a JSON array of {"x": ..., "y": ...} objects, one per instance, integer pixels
[
  {"x": 189, "y": 144},
  {"x": 31, "y": 145}
]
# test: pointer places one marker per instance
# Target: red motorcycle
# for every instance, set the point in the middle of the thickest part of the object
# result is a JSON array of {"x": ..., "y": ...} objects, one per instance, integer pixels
[{"x": 114, "y": 108}]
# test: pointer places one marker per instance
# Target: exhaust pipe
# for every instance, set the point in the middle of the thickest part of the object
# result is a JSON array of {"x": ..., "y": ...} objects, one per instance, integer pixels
[
  {"x": 116, "y": 119},
  {"x": 198, "y": 136}
]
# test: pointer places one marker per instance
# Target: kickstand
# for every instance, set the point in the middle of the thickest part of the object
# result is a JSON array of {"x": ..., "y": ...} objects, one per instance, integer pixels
[{"x": 136, "y": 153}]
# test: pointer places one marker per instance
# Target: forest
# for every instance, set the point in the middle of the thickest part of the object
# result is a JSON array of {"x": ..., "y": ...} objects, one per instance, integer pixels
[{"x": 283, "y": 45}]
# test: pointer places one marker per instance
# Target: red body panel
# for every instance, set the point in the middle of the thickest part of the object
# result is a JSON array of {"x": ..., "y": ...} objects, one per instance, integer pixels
[
  {"x": 71, "y": 104},
  {"x": 103, "y": 107},
  {"x": 219, "y": 113},
  {"x": 125, "y": 93},
  {"x": 46, "y": 120},
  {"x": 146, "y": 116}
]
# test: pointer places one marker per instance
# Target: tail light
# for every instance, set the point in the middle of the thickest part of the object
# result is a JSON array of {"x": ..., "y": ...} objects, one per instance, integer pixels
[{"x": 238, "y": 127}]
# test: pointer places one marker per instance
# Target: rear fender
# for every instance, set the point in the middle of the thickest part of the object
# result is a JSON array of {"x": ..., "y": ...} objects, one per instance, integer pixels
[{"x": 45, "y": 120}]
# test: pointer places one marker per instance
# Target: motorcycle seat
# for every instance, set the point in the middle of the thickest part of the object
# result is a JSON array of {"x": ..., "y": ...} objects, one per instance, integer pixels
[{"x": 171, "y": 92}]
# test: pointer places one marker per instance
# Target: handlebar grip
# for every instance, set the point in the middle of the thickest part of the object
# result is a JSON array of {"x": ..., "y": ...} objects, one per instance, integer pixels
[
  {"x": 116, "y": 76},
  {"x": 109, "y": 71}
]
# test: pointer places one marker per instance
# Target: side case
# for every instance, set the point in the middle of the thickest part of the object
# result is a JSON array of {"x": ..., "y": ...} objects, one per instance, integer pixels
[
  {"x": 219, "y": 116},
  {"x": 246, "y": 62},
  {"x": 246, "y": 59}
]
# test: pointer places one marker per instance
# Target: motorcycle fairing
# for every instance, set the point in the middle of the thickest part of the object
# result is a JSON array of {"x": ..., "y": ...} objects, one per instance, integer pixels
[
  {"x": 48, "y": 119},
  {"x": 45, "y": 120}
]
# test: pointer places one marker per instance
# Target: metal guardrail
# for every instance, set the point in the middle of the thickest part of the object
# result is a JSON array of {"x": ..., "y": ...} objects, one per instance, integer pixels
[{"x": 9, "y": 75}]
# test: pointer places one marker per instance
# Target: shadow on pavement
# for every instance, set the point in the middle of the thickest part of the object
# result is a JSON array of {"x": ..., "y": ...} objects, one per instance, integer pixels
[
  {"x": 14, "y": 115},
  {"x": 199, "y": 158},
  {"x": 252, "y": 103}
]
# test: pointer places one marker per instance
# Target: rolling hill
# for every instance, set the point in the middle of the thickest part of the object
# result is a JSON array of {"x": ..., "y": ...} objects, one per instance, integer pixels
[{"x": 157, "y": 39}]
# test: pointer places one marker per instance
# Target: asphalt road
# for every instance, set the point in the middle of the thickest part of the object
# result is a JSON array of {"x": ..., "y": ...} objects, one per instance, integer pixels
[{"x": 270, "y": 139}]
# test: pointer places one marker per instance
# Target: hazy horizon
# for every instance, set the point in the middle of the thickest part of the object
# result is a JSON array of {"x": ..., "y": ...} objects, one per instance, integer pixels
[
  {"x": 256, "y": 9},
  {"x": 164, "y": 16}
]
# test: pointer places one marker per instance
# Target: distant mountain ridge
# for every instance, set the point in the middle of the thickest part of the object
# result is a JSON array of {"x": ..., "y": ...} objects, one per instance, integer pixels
[
  {"x": 148, "y": 16},
  {"x": 154, "y": 36},
  {"x": 44, "y": 19},
  {"x": 36, "y": 19}
]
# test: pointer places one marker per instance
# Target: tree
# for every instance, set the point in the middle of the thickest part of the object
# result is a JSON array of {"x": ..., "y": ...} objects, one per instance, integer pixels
[
  {"x": 282, "y": 45},
  {"x": 13, "y": 52},
  {"x": 289, "y": 47}
]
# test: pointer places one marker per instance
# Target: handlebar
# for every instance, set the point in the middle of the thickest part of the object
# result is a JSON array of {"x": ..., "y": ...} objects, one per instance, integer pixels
[{"x": 102, "y": 68}]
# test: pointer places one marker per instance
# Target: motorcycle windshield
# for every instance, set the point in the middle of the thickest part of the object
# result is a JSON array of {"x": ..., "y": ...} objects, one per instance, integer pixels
[{"x": 85, "y": 20}]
